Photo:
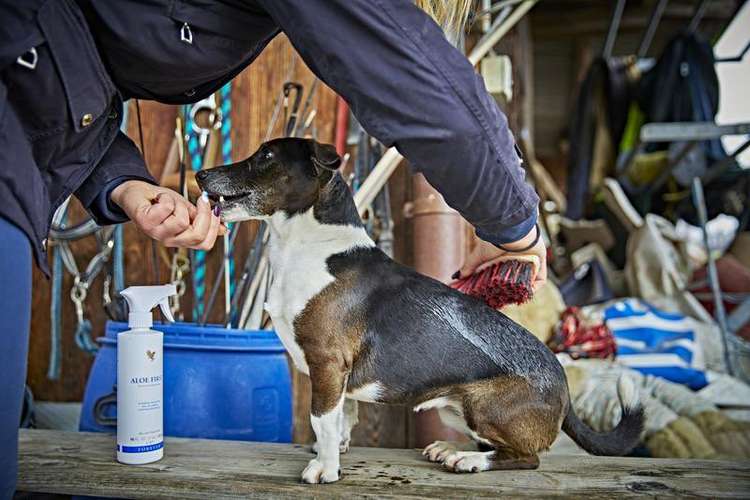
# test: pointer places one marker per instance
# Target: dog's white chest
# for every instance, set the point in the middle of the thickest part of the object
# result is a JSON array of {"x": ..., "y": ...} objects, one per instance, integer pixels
[
  {"x": 300, "y": 272},
  {"x": 296, "y": 284}
]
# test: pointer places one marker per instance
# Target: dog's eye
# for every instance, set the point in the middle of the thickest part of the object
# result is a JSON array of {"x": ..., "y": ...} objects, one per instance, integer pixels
[{"x": 267, "y": 155}]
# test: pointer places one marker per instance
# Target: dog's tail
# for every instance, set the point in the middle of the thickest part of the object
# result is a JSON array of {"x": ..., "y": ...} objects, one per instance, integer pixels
[{"x": 620, "y": 440}]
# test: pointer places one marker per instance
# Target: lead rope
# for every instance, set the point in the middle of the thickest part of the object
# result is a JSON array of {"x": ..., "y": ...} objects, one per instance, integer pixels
[
  {"x": 82, "y": 282},
  {"x": 198, "y": 256},
  {"x": 118, "y": 267},
  {"x": 54, "y": 368},
  {"x": 115, "y": 278}
]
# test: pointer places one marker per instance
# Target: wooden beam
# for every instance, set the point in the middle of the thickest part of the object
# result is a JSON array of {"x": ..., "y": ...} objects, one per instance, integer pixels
[
  {"x": 74, "y": 463},
  {"x": 576, "y": 20}
]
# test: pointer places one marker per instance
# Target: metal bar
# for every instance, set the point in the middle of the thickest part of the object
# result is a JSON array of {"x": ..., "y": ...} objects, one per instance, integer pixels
[
  {"x": 653, "y": 23},
  {"x": 700, "y": 10},
  {"x": 487, "y": 11},
  {"x": 493, "y": 37},
  {"x": 485, "y": 14},
  {"x": 722, "y": 165},
  {"x": 215, "y": 287},
  {"x": 274, "y": 116},
  {"x": 614, "y": 27},
  {"x": 291, "y": 120},
  {"x": 300, "y": 126},
  {"x": 690, "y": 131},
  {"x": 739, "y": 57},
  {"x": 739, "y": 317},
  {"x": 713, "y": 277},
  {"x": 248, "y": 272},
  {"x": 659, "y": 182}
]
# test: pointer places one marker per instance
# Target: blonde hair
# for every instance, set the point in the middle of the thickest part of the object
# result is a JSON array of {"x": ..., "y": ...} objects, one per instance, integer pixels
[{"x": 451, "y": 15}]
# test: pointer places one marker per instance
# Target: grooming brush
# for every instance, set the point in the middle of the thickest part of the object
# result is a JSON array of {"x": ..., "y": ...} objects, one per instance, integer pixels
[{"x": 508, "y": 281}]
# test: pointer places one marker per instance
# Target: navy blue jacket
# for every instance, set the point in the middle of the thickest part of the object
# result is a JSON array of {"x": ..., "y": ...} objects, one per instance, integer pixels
[{"x": 407, "y": 86}]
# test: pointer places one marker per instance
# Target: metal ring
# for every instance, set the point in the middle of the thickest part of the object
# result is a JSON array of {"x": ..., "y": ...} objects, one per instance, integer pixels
[{"x": 214, "y": 117}]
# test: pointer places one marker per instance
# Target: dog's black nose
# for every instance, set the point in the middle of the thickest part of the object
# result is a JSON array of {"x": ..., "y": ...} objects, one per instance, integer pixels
[{"x": 201, "y": 175}]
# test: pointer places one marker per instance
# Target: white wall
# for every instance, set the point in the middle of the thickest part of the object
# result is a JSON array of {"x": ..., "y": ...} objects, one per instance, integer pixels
[{"x": 734, "y": 80}]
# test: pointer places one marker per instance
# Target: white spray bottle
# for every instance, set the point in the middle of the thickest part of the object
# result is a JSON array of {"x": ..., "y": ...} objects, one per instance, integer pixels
[{"x": 140, "y": 417}]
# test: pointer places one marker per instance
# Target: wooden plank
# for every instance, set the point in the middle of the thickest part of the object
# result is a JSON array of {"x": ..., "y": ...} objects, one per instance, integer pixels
[{"x": 83, "y": 464}]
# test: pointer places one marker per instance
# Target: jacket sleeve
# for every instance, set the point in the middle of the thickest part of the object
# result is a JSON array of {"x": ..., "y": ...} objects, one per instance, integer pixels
[
  {"x": 410, "y": 88},
  {"x": 120, "y": 163}
]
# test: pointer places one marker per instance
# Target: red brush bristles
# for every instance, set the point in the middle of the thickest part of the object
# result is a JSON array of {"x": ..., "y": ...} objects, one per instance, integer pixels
[{"x": 507, "y": 282}]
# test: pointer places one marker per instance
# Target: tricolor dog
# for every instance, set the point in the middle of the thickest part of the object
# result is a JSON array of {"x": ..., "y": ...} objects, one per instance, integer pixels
[{"x": 366, "y": 328}]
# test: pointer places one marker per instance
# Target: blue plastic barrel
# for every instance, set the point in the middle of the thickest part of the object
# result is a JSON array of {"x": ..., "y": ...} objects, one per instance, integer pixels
[{"x": 218, "y": 384}]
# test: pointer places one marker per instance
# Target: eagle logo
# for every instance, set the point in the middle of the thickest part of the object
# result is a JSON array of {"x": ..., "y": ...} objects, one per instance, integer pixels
[{"x": 150, "y": 355}]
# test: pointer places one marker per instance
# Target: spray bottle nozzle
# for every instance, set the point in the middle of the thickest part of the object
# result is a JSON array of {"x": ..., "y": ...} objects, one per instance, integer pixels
[
  {"x": 166, "y": 310},
  {"x": 141, "y": 299}
]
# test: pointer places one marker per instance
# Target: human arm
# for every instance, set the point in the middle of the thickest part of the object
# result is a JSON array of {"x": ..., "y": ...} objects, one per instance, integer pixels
[
  {"x": 120, "y": 188},
  {"x": 411, "y": 89}
]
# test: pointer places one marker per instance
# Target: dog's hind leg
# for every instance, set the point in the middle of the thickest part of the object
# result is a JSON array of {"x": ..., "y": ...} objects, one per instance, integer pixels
[
  {"x": 451, "y": 416},
  {"x": 327, "y": 419},
  {"x": 478, "y": 461},
  {"x": 511, "y": 417},
  {"x": 491, "y": 455}
]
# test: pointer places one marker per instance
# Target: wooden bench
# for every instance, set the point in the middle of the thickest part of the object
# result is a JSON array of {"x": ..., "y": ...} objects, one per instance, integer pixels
[{"x": 84, "y": 464}]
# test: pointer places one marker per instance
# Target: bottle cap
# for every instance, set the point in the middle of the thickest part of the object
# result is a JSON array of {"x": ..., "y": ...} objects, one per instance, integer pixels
[{"x": 141, "y": 299}]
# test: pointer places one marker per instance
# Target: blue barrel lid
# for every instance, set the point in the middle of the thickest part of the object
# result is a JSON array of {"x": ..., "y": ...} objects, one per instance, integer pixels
[{"x": 206, "y": 337}]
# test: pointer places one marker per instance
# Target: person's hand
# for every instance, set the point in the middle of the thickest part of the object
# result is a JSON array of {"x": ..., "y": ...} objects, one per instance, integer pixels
[
  {"x": 167, "y": 217},
  {"x": 486, "y": 254}
]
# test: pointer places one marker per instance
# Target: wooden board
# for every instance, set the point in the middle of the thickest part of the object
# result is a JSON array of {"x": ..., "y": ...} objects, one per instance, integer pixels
[{"x": 83, "y": 464}]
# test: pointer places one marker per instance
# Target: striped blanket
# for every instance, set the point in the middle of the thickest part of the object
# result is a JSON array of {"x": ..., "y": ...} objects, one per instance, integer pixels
[{"x": 657, "y": 343}]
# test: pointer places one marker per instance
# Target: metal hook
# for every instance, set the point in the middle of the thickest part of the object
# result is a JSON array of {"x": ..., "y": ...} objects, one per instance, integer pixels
[
  {"x": 186, "y": 35},
  {"x": 214, "y": 118},
  {"x": 29, "y": 64}
]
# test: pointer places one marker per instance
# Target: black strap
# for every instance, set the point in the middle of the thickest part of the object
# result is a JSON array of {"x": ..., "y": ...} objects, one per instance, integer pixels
[{"x": 527, "y": 248}]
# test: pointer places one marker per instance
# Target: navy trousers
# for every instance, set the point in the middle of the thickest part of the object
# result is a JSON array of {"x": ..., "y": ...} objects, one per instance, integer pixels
[{"x": 15, "y": 315}]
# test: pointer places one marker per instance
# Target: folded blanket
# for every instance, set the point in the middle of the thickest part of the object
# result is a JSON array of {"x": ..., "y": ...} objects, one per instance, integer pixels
[{"x": 656, "y": 343}]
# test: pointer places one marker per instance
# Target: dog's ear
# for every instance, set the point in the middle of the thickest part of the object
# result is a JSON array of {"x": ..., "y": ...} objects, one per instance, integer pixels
[{"x": 324, "y": 156}]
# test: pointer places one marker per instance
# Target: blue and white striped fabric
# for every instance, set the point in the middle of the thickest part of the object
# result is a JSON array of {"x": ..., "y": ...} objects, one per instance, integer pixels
[{"x": 656, "y": 343}]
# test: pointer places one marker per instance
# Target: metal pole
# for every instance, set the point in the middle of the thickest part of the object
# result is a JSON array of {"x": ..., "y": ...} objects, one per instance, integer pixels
[
  {"x": 614, "y": 26},
  {"x": 700, "y": 10},
  {"x": 490, "y": 41},
  {"x": 713, "y": 277},
  {"x": 653, "y": 23}
]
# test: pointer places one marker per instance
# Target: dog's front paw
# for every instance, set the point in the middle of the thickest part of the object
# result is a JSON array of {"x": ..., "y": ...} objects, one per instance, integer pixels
[
  {"x": 316, "y": 472},
  {"x": 439, "y": 450}
]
